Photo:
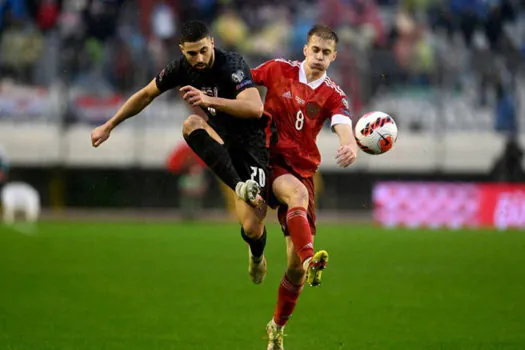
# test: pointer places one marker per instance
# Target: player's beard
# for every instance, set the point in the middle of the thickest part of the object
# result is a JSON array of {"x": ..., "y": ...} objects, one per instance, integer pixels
[{"x": 203, "y": 66}]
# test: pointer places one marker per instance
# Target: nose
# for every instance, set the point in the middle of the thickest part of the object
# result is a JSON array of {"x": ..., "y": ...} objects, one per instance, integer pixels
[{"x": 319, "y": 56}]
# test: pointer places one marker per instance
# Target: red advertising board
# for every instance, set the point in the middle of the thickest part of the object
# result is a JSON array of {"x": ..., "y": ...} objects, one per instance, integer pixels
[
  {"x": 96, "y": 109},
  {"x": 454, "y": 205}
]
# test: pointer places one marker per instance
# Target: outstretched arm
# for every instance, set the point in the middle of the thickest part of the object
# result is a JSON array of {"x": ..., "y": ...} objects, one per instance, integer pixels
[
  {"x": 347, "y": 151},
  {"x": 133, "y": 106}
]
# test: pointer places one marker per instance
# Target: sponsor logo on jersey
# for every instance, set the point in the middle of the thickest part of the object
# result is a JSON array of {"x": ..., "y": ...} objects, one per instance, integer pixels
[
  {"x": 299, "y": 100},
  {"x": 238, "y": 76},
  {"x": 161, "y": 74},
  {"x": 243, "y": 84}
]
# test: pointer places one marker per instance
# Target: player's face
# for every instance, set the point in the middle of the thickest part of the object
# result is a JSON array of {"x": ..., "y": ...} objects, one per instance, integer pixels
[
  {"x": 200, "y": 54},
  {"x": 319, "y": 53}
]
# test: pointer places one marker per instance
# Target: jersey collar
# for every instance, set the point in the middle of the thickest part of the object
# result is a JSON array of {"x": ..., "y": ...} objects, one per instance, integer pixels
[{"x": 313, "y": 84}]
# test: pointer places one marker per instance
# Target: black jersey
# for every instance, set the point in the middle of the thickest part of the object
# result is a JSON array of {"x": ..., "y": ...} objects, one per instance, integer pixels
[{"x": 228, "y": 76}]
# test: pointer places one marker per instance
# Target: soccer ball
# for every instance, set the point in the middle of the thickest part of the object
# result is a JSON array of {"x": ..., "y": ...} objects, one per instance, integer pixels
[{"x": 375, "y": 132}]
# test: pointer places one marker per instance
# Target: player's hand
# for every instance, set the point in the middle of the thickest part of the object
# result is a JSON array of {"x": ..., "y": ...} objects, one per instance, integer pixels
[
  {"x": 346, "y": 155},
  {"x": 195, "y": 97},
  {"x": 100, "y": 134}
]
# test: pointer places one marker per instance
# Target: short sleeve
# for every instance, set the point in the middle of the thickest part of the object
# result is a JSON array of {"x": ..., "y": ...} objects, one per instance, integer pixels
[
  {"x": 340, "y": 110},
  {"x": 238, "y": 74},
  {"x": 170, "y": 76},
  {"x": 262, "y": 73}
]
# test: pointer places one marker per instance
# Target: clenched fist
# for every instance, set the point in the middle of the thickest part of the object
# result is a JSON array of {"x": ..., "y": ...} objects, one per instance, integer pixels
[{"x": 100, "y": 134}]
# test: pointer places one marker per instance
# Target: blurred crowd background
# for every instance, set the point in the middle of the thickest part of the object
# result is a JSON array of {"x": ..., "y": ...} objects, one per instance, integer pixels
[
  {"x": 438, "y": 66},
  {"x": 390, "y": 50}
]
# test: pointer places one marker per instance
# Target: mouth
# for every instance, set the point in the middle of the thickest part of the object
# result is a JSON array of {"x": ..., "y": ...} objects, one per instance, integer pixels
[
  {"x": 317, "y": 66},
  {"x": 200, "y": 65}
]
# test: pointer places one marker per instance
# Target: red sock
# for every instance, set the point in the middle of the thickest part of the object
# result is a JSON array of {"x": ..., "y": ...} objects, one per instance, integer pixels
[
  {"x": 286, "y": 301},
  {"x": 300, "y": 233}
]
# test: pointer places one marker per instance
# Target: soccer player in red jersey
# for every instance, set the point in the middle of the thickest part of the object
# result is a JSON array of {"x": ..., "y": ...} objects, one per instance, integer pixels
[{"x": 301, "y": 98}]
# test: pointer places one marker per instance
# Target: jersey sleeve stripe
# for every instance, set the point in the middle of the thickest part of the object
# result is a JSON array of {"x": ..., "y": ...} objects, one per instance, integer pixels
[
  {"x": 330, "y": 83},
  {"x": 291, "y": 63}
]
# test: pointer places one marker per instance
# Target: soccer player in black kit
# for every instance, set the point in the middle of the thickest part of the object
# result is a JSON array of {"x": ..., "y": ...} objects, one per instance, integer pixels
[{"x": 230, "y": 136}]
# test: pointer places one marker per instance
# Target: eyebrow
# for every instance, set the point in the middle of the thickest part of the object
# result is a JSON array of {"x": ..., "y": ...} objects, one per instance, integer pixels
[
  {"x": 317, "y": 47},
  {"x": 195, "y": 51}
]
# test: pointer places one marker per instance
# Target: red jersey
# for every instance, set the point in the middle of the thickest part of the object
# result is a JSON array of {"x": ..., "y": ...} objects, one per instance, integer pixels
[{"x": 299, "y": 110}]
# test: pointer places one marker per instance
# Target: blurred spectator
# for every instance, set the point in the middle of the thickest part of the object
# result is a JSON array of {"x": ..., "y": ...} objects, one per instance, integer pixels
[
  {"x": 204, "y": 10},
  {"x": 508, "y": 166},
  {"x": 163, "y": 21},
  {"x": 505, "y": 110},
  {"x": 100, "y": 18},
  {"x": 47, "y": 13},
  {"x": 12, "y": 11},
  {"x": 361, "y": 15},
  {"x": 4, "y": 166},
  {"x": 417, "y": 6},
  {"x": 231, "y": 31},
  {"x": 272, "y": 39},
  {"x": 111, "y": 47},
  {"x": 498, "y": 14},
  {"x": 20, "y": 48},
  {"x": 192, "y": 179},
  {"x": 469, "y": 14},
  {"x": 422, "y": 61},
  {"x": 305, "y": 17}
]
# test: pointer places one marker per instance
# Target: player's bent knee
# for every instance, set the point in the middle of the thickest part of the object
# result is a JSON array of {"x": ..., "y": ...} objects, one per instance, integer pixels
[
  {"x": 299, "y": 197},
  {"x": 192, "y": 123},
  {"x": 296, "y": 274},
  {"x": 252, "y": 227}
]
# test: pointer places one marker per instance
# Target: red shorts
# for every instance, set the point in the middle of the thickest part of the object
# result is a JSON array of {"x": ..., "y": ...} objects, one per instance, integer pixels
[{"x": 282, "y": 209}]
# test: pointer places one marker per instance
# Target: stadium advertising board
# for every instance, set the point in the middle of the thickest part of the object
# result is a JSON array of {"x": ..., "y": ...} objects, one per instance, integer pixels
[
  {"x": 23, "y": 102},
  {"x": 452, "y": 205}
]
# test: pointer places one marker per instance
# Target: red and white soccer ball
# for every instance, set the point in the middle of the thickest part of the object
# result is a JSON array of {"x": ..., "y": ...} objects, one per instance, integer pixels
[{"x": 376, "y": 132}]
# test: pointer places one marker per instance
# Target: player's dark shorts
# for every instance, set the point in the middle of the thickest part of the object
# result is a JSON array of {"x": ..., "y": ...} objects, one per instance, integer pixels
[
  {"x": 279, "y": 168},
  {"x": 251, "y": 162}
]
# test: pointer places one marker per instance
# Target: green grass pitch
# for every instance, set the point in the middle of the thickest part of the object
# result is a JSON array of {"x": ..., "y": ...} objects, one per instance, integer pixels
[{"x": 127, "y": 286}]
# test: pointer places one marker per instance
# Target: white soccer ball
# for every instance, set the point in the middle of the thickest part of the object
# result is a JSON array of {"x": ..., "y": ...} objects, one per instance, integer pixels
[{"x": 376, "y": 132}]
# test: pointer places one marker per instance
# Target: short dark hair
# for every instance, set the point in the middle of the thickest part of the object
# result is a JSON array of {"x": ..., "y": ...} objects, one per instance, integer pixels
[
  {"x": 324, "y": 32},
  {"x": 193, "y": 31}
]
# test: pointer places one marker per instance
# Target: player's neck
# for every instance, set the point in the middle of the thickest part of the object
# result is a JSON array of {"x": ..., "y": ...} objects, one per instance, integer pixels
[{"x": 312, "y": 75}]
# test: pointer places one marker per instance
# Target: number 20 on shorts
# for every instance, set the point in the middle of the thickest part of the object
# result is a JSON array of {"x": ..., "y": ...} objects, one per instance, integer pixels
[{"x": 258, "y": 175}]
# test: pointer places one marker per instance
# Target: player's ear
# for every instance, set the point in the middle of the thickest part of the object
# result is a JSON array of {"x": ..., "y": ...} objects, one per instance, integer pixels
[
  {"x": 305, "y": 50},
  {"x": 181, "y": 48},
  {"x": 212, "y": 41},
  {"x": 334, "y": 56}
]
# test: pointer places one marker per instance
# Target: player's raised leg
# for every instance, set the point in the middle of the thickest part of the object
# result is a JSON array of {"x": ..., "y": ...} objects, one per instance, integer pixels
[
  {"x": 290, "y": 191},
  {"x": 253, "y": 232},
  {"x": 208, "y": 145}
]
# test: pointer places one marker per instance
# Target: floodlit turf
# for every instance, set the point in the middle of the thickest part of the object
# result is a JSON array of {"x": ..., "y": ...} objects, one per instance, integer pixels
[{"x": 185, "y": 286}]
